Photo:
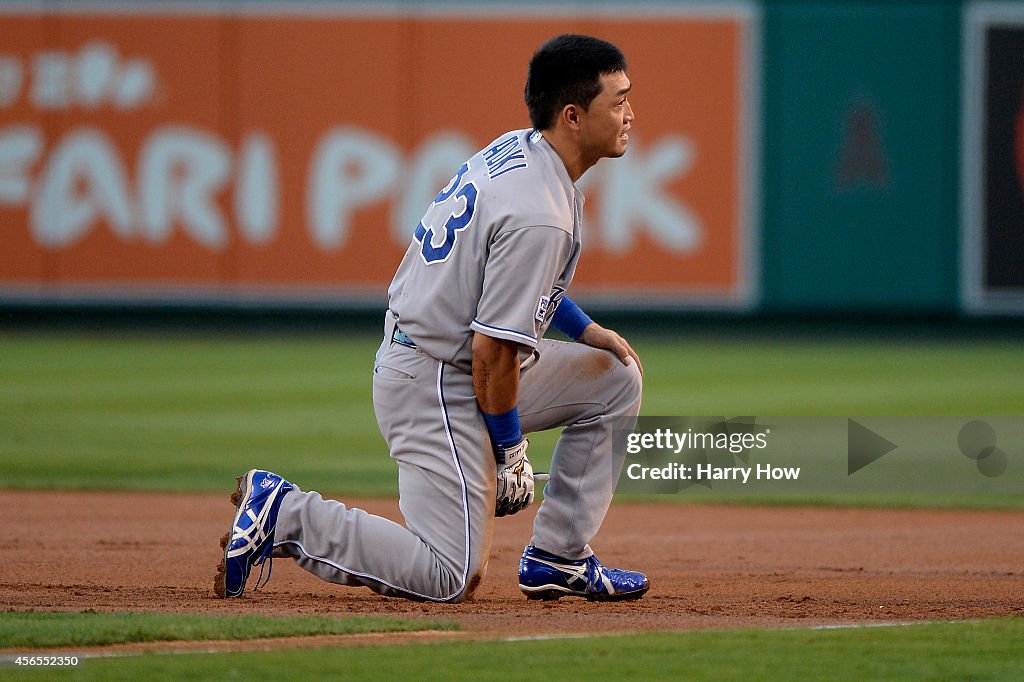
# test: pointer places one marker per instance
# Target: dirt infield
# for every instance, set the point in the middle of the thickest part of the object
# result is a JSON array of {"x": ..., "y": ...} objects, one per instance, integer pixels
[{"x": 710, "y": 566}]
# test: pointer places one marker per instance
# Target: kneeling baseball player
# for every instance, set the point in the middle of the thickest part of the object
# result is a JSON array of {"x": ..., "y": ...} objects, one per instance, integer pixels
[{"x": 463, "y": 372}]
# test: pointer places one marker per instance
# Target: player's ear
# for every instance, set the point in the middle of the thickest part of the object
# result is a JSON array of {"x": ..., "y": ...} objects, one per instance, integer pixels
[{"x": 571, "y": 116}]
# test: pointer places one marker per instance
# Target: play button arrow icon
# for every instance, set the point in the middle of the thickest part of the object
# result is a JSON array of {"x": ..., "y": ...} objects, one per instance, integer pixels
[{"x": 864, "y": 446}]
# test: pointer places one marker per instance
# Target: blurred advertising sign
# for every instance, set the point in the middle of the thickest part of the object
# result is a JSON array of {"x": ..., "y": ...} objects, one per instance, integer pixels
[
  {"x": 273, "y": 152},
  {"x": 992, "y": 271}
]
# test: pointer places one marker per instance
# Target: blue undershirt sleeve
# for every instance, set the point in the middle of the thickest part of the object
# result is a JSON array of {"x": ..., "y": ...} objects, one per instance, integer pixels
[{"x": 570, "y": 319}]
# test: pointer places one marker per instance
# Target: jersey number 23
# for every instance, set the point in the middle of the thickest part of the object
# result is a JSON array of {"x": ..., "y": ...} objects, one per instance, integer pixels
[{"x": 456, "y": 195}]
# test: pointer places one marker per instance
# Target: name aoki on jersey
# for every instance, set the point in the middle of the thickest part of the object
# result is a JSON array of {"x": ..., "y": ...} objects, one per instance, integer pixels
[{"x": 507, "y": 151}]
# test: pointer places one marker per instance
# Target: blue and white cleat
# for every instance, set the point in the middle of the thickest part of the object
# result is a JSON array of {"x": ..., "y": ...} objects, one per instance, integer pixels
[
  {"x": 546, "y": 576},
  {"x": 251, "y": 538}
]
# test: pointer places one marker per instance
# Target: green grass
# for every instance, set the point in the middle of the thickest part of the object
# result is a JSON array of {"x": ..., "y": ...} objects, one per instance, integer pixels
[
  {"x": 833, "y": 377},
  {"x": 986, "y": 650},
  {"x": 39, "y": 630},
  {"x": 148, "y": 412}
]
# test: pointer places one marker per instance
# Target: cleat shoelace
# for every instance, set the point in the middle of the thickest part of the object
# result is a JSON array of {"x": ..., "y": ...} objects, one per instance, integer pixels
[{"x": 263, "y": 563}]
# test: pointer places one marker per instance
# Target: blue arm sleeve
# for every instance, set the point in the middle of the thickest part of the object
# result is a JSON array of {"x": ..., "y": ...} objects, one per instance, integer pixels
[
  {"x": 570, "y": 319},
  {"x": 504, "y": 428}
]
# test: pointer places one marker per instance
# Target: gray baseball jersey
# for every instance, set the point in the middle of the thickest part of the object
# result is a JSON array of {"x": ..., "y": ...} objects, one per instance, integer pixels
[{"x": 493, "y": 254}]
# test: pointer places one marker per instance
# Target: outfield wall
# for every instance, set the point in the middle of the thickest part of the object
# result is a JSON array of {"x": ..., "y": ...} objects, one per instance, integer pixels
[
  {"x": 787, "y": 156},
  {"x": 860, "y": 175}
]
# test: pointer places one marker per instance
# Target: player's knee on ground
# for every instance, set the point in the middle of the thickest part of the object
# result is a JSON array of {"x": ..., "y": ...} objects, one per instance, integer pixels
[
  {"x": 447, "y": 586},
  {"x": 454, "y": 590},
  {"x": 467, "y": 592}
]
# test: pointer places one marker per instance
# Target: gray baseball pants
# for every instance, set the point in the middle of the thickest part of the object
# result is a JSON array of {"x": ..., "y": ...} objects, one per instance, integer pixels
[{"x": 428, "y": 414}]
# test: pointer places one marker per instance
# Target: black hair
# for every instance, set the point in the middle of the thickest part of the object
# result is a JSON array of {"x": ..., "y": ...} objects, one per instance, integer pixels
[{"x": 567, "y": 69}]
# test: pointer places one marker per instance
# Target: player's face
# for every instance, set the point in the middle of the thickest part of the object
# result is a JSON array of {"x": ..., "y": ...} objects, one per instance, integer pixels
[{"x": 606, "y": 123}]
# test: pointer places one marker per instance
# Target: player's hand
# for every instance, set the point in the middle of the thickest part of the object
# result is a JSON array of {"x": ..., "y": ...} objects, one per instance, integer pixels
[
  {"x": 515, "y": 480},
  {"x": 597, "y": 336}
]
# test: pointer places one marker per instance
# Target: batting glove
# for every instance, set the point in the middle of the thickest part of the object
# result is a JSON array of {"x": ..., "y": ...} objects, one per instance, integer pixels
[{"x": 515, "y": 479}]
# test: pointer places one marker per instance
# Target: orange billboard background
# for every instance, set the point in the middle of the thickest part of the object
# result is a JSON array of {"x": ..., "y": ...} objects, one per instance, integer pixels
[{"x": 182, "y": 154}]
